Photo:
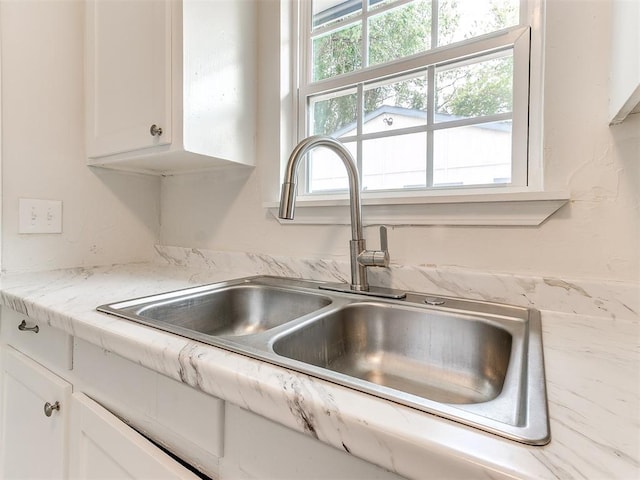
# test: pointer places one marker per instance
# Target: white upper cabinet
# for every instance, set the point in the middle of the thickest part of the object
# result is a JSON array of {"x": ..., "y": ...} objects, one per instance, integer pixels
[
  {"x": 129, "y": 75},
  {"x": 625, "y": 60},
  {"x": 170, "y": 84}
]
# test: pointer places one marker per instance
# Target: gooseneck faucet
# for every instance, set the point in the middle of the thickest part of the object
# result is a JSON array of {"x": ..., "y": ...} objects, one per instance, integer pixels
[{"x": 361, "y": 258}]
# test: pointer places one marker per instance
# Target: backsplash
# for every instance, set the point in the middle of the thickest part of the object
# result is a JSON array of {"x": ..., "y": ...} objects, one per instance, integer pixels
[{"x": 613, "y": 300}]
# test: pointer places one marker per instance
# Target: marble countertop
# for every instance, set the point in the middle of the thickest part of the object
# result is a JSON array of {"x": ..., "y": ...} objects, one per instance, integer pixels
[{"x": 592, "y": 368}]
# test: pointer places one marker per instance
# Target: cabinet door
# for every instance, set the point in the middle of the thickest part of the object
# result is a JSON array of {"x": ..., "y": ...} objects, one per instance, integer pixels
[
  {"x": 33, "y": 444},
  {"x": 128, "y": 75},
  {"x": 102, "y": 446}
]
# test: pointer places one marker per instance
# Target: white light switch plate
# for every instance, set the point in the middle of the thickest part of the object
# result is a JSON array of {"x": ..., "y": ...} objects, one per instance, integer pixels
[{"x": 39, "y": 216}]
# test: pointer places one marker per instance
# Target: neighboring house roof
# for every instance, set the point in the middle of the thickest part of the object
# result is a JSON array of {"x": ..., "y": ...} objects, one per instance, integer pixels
[{"x": 414, "y": 113}]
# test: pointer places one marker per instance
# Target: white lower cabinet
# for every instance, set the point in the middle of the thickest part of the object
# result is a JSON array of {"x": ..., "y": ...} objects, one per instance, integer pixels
[
  {"x": 185, "y": 421},
  {"x": 49, "y": 427},
  {"x": 34, "y": 437},
  {"x": 257, "y": 448},
  {"x": 50, "y": 433},
  {"x": 102, "y": 446}
]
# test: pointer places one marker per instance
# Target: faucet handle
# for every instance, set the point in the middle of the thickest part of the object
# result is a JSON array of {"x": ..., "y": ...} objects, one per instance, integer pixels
[
  {"x": 376, "y": 258},
  {"x": 383, "y": 239}
]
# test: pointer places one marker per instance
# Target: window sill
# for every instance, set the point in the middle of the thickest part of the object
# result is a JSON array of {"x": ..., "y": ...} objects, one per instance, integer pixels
[{"x": 479, "y": 209}]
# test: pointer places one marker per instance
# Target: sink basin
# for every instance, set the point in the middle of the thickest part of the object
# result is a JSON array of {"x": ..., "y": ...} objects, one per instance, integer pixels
[
  {"x": 227, "y": 311},
  {"x": 438, "y": 356},
  {"x": 476, "y": 363}
]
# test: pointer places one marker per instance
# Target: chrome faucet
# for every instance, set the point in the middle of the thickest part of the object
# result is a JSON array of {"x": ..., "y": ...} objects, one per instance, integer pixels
[{"x": 361, "y": 258}]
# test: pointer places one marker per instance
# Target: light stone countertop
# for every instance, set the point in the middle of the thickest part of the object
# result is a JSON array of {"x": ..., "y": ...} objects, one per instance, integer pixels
[{"x": 592, "y": 370}]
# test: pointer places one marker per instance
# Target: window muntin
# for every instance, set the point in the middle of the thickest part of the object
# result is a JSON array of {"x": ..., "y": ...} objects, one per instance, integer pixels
[{"x": 400, "y": 109}]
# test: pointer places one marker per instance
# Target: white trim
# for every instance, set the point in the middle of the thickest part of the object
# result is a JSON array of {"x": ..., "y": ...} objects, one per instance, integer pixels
[
  {"x": 440, "y": 56},
  {"x": 520, "y": 125},
  {"x": 1, "y": 150},
  {"x": 535, "y": 169},
  {"x": 462, "y": 208},
  {"x": 290, "y": 71}
]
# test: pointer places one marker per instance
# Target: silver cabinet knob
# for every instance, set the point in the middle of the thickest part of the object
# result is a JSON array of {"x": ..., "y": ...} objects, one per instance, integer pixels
[
  {"x": 23, "y": 327},
  {"x": 48, "y": 408},
  {"x": 155, "y": 130}
]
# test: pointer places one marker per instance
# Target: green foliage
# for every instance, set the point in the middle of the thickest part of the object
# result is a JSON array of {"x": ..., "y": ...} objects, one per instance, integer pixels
[
  {"x": 333, "y": 114},
  {"x": 475, "y": 90},
  {"x": 400, "y": 32},
  {"x": 410, "y": 93},
  {"x": 337, "y": 53},
  {"x": 448, "y": 21},
  {"x": 504, "y": 13},
  {"x": 480, "y": 89}
]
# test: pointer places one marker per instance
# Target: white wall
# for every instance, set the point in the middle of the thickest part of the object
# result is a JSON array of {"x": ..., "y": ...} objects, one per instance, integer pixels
[
  {"x": 110, "y": 217},
  {"x": 595, "y": 236},
  {"x": 107, "y": 217}
]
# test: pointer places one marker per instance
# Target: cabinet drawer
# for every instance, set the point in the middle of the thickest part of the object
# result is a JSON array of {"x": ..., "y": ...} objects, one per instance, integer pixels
[
  {"x": 186, "y": 421},
  {"x": 45, "y": 344}
]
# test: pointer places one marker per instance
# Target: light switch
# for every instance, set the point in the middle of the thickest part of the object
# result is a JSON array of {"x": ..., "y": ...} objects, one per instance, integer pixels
[{"x": 39, "y": 216}]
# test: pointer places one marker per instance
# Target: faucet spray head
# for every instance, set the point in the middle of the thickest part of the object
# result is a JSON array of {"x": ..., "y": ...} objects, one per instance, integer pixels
[{"x": 287, "y": 201}]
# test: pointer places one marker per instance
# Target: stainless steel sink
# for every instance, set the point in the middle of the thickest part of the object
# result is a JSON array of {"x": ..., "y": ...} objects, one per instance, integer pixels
[
  {"x": 476, "y": 363},
  {"x": 229, "y": 310},
  {"x": 443, "y": 357}
]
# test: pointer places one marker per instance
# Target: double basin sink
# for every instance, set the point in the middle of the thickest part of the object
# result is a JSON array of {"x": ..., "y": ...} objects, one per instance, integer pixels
[{"x": 476, "y": 363}]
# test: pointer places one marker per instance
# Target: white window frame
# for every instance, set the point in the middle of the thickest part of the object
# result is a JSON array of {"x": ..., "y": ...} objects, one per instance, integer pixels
[
  {"x": 514, "y": 38},
  {"x": 527, "y": 204}
]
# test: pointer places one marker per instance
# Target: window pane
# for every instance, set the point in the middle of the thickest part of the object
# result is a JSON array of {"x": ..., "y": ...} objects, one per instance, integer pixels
[
  {"x": 400, "y": 32},
  {"x": 477, "y": 89},
  {"x": 326, "y": 170},
  {"x": 475, "y": 155},
  {"x": 333, "y": 115},
  {"x": 462, "y": 19},
  {"x": 395, "y": 162},
  {"x": 337, "y": 52},
  {"x": 395, "y": 104},
  {"x": 331, "y": 12}
]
